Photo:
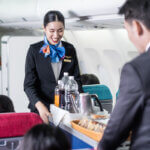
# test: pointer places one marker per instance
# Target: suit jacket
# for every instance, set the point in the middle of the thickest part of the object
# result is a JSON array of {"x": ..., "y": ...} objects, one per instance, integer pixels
[
  {"x": 132, "y": 110},
  {"x": 40, "y": 82}
]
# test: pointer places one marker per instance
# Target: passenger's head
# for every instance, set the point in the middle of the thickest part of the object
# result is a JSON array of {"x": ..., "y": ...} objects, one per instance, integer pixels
[
  {"x": 88, "y": 79},
  {"x": 137, "y": 22},
  {"x": 6, "y": 104},
  {"x": 45, "y": 137},
  {"x": 54, "y": 24}
]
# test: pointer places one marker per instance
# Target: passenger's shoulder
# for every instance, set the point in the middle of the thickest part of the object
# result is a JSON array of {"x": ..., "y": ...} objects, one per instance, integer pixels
[
  {"x": 140, "y": 60},
  {"x": 140, "y": 64}
]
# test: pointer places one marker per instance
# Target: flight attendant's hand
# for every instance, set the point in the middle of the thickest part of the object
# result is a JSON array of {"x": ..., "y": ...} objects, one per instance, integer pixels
[{"x": 43, "y": 111}]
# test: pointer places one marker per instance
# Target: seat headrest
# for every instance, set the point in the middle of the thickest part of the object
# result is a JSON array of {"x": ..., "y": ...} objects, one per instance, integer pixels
[
  {"x": 17, "y": 124},
  {"x": 102, "y": 91}
]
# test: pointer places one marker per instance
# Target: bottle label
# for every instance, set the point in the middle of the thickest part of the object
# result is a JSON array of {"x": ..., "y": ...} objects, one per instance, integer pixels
[{"x": 57, "y": 100}]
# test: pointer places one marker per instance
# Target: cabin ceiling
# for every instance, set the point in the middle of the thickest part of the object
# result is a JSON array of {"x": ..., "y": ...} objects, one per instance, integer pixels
[{"x": 79, "y": 14}]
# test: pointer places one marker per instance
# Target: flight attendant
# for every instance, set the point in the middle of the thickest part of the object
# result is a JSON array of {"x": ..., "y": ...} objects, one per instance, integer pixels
[{"x": 46, "y": 61}]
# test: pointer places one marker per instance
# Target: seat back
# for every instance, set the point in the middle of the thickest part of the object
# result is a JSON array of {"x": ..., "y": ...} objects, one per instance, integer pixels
[
  {"x": 13, "y": 126},
  {"x": 103, "y": 93}
]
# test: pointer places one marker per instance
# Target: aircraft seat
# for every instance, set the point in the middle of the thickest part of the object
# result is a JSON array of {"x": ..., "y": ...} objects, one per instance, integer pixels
[
  {"x": 13, "y": 126},
  {"x": 103, "y": 93}
]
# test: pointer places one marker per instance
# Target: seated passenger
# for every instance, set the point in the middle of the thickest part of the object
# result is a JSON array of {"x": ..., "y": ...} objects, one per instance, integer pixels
[
  {"x": 88, "y": 79},
  {"x": 6, "y": 104},
  {"x": 45, "y": 137}
]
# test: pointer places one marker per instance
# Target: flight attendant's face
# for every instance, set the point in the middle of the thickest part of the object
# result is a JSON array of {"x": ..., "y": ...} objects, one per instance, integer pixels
[{"x": 54, "y": 32}]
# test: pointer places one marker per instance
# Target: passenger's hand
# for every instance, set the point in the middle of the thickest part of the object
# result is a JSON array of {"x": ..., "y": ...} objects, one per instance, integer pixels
[{"x": 43, "y": 111}]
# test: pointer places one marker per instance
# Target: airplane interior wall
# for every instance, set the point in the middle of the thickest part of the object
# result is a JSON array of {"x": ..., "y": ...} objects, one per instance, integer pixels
[
  {"x": 14, "y": 50},
  {"x": 101, "y": 52},
  {"x": 4, "y": 74}
]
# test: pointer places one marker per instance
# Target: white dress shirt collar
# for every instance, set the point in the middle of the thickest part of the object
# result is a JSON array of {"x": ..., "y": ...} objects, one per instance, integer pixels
[{"x": 148, "y": 46}]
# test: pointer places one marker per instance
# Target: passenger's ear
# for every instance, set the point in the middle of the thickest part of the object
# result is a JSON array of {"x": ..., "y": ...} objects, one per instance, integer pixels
[{"x": 138, "y": 28}]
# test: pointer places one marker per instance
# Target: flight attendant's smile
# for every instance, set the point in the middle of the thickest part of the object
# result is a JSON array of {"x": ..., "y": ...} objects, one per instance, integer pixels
[{"x": 54, "y": 32}]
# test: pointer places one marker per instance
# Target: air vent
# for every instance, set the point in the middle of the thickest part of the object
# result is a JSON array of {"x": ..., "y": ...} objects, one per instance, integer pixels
[{"x": 24, "y": 19}]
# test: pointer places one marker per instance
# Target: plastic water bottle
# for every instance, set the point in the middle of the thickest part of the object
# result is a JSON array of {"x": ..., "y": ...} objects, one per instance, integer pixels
[
  {"x": 71, "y": 94},
  {"x": 64, "y": 80},
  {"x": 57, "y": 94}
]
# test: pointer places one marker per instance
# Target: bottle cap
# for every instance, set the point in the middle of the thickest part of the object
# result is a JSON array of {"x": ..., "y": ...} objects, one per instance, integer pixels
[
  {"x": 65, "y": 73},
  {"x": 59, "y": 81},
  {"x": 71, "y": 77}
]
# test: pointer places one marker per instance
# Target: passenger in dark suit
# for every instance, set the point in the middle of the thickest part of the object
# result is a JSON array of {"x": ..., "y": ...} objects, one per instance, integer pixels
[
  {"x": 46, "y": 62},
  {"x": 132, "y": 110}
]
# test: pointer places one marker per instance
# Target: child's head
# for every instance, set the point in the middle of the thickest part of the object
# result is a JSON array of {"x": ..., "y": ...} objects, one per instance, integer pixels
[
  {"x": 45, "y": 137},
  {"x": 6, "y": 104}
]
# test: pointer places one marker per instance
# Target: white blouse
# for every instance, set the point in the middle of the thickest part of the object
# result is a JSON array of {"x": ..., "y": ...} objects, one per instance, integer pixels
[{"x": 57, "y": 67}]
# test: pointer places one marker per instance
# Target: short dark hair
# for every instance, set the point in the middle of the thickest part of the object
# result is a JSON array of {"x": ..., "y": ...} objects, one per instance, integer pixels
[
  {"x": 52, "y": 16},
  {"x": 137, "y": 9},
  {"x": 6, "y": 104},
  {"x": 88, "y": 79},
  {"x": 45, "y": 137}
]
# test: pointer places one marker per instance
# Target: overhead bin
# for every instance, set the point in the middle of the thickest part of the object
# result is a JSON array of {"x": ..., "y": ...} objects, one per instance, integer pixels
[
  {"x": 17, "y": 10},
  {"x": 78, "y": 13},
  {"x": 79, "y": 8}
]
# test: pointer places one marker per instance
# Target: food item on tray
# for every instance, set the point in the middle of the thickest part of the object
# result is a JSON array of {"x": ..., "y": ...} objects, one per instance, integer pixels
[
  {"x": 92, "y": 125},
  {"x": 96, "y": 116}
]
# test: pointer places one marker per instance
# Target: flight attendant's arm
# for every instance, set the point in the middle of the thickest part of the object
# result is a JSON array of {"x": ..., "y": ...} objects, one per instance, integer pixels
[
  {"x": 129, "y": 105},
  {"x": 30, "y": 86},
  {"x": 43, "y": 111}
]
